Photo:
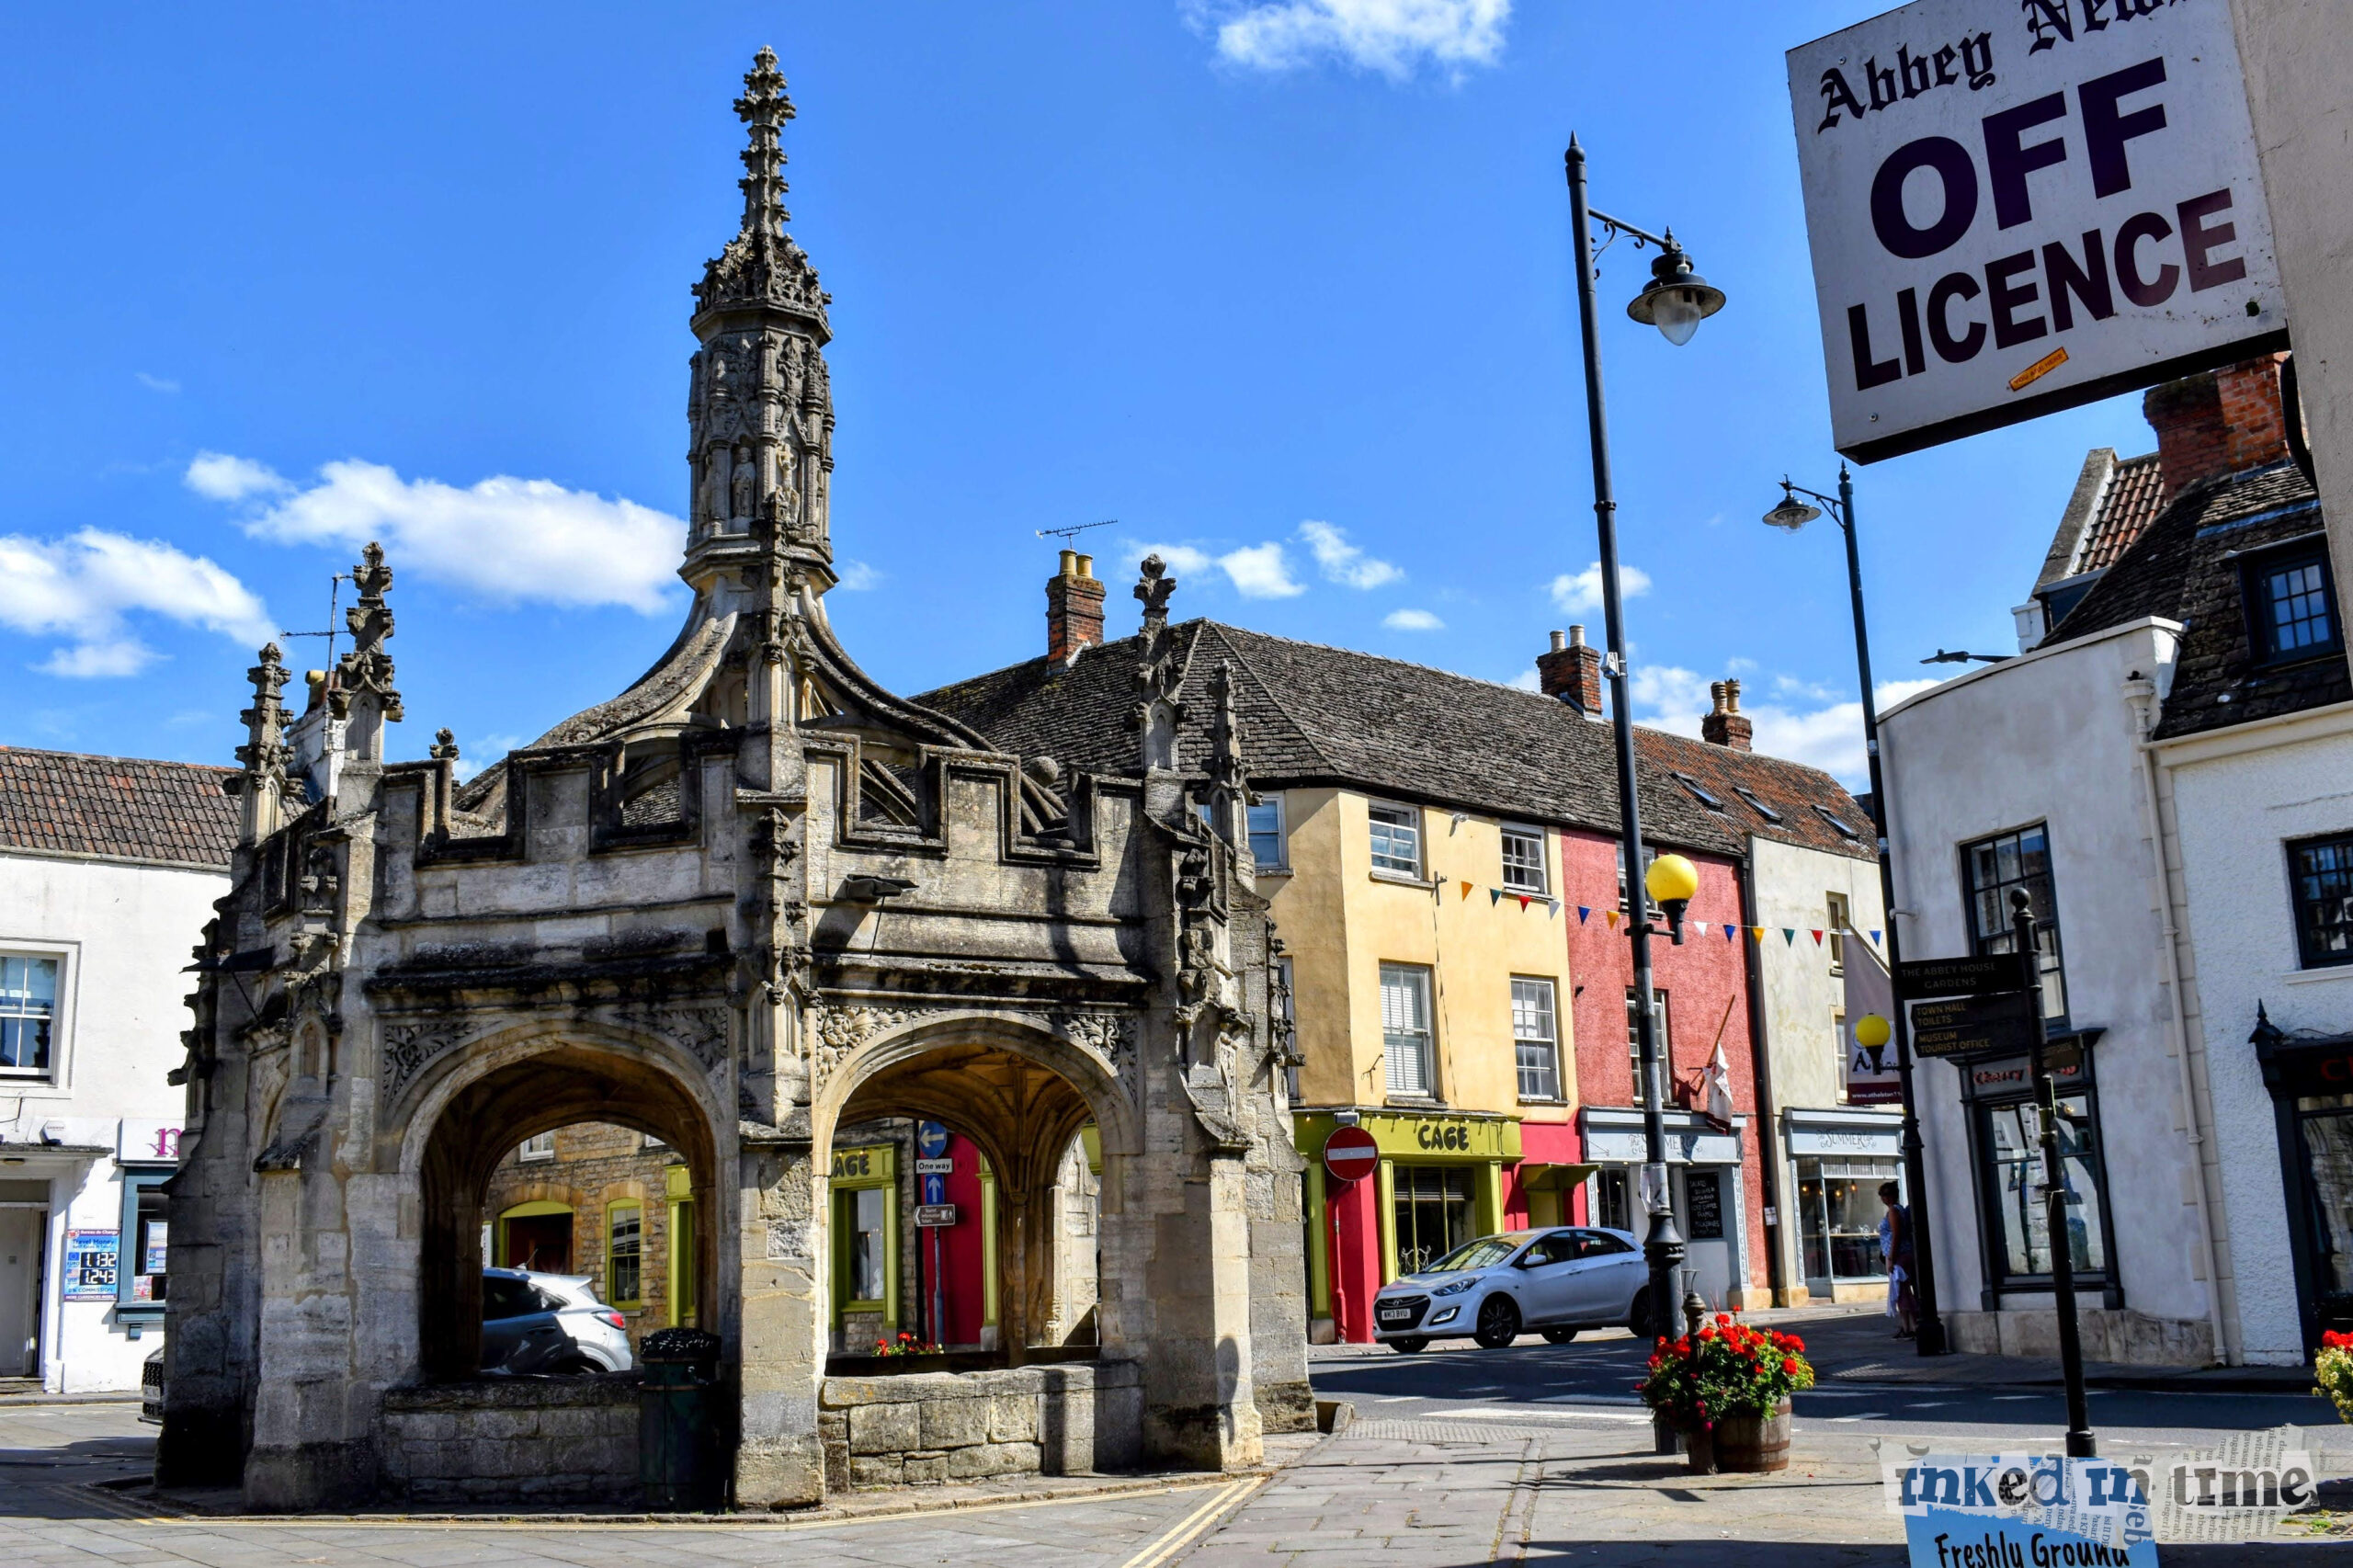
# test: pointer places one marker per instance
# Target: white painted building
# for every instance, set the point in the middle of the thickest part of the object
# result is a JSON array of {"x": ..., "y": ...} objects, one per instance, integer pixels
[
  {"x": 109, "y": 868},
  {"x": 2163, "y": 771}
]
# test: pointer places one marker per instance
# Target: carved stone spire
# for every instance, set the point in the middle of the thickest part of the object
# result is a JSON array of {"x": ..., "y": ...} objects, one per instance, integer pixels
[
  {"x": 363, "y": 686},
  {"x": 262, "y": 785},
  {"x": 1158, "y": 676},
  {"x": 1229, "y": 782},
  {"x": 760, "y": 408}
]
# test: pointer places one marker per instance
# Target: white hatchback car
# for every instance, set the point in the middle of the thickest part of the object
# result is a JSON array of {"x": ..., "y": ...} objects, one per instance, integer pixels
[{"x": 1556, "y": 1282}]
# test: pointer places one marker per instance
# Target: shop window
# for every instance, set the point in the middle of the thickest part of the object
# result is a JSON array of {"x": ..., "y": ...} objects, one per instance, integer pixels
[
  {"x": 1634, "y": 1042},
  {"x": 1524, "y": 862},
  {"x": 1267, "y": 840},
  {"x": 1994, "y": 867},
  {"x": 1613, "y": 1198},
  {"x": 1835, "y": 917},
  {"x": 2289, "y": 613},
  {"x": 2010, "y": 1192},
  {"x": 28, "y": 1013},
  {"x": 1838, "y": 1216},
  {"x": 682, "y": 1262},
  {"x": 2321, "y": 873},
  {"x": 2325, "y": 1146},
  {"x": 540, "y": 1146},
  {"x": 1406, "y": 1028},
  {"x": 624, "y": 1254},
  {"x": 1536, "y": 1039},
  {"x": 869, "y": 1248},
  {"x": 1397, "y": 840},
  {"x": 140, "y": 1270},
  {"x": 1432, "y": 1211}
]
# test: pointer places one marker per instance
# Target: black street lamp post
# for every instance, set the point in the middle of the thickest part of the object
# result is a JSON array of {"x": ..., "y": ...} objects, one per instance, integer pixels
[
  {"x": 2056, "y": 1198},
  {"x": 1792, "y": 515},
  {"x": 1676, "y": 300}
]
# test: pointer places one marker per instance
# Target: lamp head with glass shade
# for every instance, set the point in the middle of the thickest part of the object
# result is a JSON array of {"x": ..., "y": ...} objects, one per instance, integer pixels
[
  {"x": 1671, "y": 881},
  {"x": 1675, "y": 299},
  {"x": 1872, "y": 1032},
  {"x": 1792, "y": 513}
]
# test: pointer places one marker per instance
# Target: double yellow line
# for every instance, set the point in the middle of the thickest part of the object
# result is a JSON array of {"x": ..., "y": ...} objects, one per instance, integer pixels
[{"x": 1187, "y": 1529}]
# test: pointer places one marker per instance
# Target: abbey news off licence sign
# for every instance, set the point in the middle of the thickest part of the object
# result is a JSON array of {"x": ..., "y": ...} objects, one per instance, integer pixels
[{"x": 2017, "y": 206}]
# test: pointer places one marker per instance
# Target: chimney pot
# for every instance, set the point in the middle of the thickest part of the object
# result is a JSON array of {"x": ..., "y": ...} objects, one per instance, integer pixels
[
  {"x": 1070, "y": 564},
  {"x": 1559, "y": 640},
  {"x": 1572, "y": 673},
  {"x": 1086, "y": 566}
]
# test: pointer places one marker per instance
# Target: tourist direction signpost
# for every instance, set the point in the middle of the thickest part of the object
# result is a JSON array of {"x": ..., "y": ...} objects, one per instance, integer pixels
[
  {"x": 1918, "y": 979},
  {"x": 1966, "y": 1026}
]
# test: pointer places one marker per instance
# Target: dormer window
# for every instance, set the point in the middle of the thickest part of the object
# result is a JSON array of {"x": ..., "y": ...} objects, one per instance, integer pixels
[
  {"x": 1839, "y": 827},
  {"x": 1762, "y": 810},
  {"x": 2292, "y": 612},
  {"x": 1697, "y": 793}
]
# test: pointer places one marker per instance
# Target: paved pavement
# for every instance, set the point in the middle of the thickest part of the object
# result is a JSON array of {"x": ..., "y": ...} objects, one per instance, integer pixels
[{"x": 1534, "y": 1454}]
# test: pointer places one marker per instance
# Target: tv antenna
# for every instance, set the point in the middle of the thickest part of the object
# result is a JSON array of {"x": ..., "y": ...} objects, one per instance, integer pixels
[
  {"x": 1071, "y": 532},
  {"x": 334, "y": 587}
]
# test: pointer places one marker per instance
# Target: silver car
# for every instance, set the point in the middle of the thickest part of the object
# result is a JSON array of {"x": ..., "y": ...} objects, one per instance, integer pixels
[
  {"x": 1556, "y": 1282},
  {"x": 550, "y": 1322}
]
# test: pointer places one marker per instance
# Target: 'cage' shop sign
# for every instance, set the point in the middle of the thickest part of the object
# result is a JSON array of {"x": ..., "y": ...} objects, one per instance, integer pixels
[{"x": 2017, "y": 206}]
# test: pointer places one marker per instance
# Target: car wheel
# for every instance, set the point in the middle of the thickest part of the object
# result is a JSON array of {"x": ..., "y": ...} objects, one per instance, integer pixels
[
  {"x": 574, "y": 1367},
  {"x": 1638, "y": 1316},
  {"x": 1498, "y": 1322},
  {"x": 1558, "y": 1335},
  {"x": 1413, "y": 1346}
]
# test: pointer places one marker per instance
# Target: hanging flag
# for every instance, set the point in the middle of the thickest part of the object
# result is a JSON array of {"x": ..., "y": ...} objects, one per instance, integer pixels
[
  {"x": 1494, "y": 897},
  {"x": 1732, "y": 933},
  {"x": 1700, "y": 926},
  {"x": 1552, "y": 906},
  {"x": 1756, "y": 933},
  {"x": 1466, "y": 890},
  {"x": 1610, "y": 915},
  {"x": 1584, "y": 912},
  {"x": 1789, "y": 935},
  {"x": 1523, "y": 901},
  {"x": 1874, "y": 938},
  {"x": 1717, "y": 1079},
  {"x": 1817, "y": 938}
]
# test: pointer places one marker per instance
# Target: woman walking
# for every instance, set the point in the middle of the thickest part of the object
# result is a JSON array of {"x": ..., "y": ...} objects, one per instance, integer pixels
[{"x": 1895, "y": 1241}]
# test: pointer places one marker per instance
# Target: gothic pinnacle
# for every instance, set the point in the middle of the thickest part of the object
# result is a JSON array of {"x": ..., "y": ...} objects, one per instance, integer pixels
[{"x": 764, "y": 109}]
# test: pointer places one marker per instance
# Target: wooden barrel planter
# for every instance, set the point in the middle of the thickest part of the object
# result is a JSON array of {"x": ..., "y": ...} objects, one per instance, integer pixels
[{"x": 1749, "y": 1444}]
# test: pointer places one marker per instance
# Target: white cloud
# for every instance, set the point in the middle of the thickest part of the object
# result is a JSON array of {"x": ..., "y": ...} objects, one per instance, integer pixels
[
  {"x": 1582, "y": 590},
  {"x": 1527, "y": 680},
  {"x": 1829, "y": 737},
  {"x": 155, "y": 383},
  {"x": 1392, "y": 37},
  {"x": 225, "y": 478},
  {"x": 503, "y": 539},
  {"x": 80, "y": 588},
  {"x": 1259, "y": 572},
  {"x": 857, "y": 576},
  {"x": 1343, "y": 563},
  {"x": 1412, "y": 621}
]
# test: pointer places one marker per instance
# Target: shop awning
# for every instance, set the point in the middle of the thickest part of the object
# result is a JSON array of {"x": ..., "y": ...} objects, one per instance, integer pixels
[{"x": 1552, "y": 1178}]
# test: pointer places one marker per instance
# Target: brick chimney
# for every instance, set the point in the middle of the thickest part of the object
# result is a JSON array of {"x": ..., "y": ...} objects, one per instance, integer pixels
[
  {"x": 1073, "y": 608},
  {"x": 1726, "y": 725},
  {"x": 1571, "y": 672},
  {"x": 2218, "y": 422}
]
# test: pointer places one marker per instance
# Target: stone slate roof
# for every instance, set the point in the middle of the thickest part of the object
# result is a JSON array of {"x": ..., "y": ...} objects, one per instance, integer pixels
[
  {"x": 1312, "y": 715},
  {"x": 2185, "y": 567},
  {"x": 129, "y": 808}
]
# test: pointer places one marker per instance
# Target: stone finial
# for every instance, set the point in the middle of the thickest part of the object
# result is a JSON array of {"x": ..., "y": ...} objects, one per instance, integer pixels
[
  {"x": 1158, "y": 676},
  {"x": 765, "y": 108},
  {"x": 444, "y": 747},
  {"x": 265, "y": 755},
  {"x": 368, "y": 668},
  {"x": 1153, "y": 587}
]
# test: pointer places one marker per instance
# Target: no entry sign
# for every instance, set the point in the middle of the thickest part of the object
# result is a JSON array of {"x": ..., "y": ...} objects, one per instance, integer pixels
[{"x": 1350, "y": 1153}]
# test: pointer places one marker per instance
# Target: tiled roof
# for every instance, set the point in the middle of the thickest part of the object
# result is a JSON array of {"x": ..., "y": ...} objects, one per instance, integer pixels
[
  {"x": 1311, "y": 714},
  {"x": 129, "y": 807},
  {"x": 2136, "y": 493},
  {"x": 2185, "y": 568}
]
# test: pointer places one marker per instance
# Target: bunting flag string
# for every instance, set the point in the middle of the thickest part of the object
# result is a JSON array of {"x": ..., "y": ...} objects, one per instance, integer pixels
[
  {"x": 1700, "y": 926},
  {"x": 1523, "y": 900},
  {"x": 1817, "y": 938},
  {"x": 1789, "y": 935},
  {"x": 1610, "y": 915},
  {"x": 1731, "y": 932},
  {"x": 1466, "y": 890},
  {"x": 1584, "y": 912},
  {"x": 1494, "y": 897},
  {"x": 1756, "y": 933}
]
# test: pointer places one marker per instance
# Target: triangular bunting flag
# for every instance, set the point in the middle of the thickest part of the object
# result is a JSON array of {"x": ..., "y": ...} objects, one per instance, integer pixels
[
  {"x": 1552, "y": 906},
  {"x": 1610, "y": 915},
  {"x": 1584, "y": 912},
  {"x": 1466, "y": 890},
  {"x": 1789, "y": 935},
  {"x": 1732, "y": 933},
  {"x": 1700, "y": 926},
  {"x": 1494, "y": 897},
  {"x": 1874, "y": 938},
  {"x": 1756, "y": 933},
  {"x": 1523, "y": 900},
  {"x": 1817, "y": 938}
]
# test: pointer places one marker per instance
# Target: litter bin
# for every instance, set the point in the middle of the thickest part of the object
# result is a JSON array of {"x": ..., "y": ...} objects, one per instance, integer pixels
[{"x": 678, "y": 1446}]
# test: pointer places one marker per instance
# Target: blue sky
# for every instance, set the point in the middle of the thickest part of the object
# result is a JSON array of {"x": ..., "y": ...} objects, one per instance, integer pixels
[{"x": 1283, "y": 288}]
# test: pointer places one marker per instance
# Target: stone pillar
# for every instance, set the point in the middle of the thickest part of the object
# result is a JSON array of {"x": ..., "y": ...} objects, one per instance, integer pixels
[{"x": 781, "y": 1329}]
